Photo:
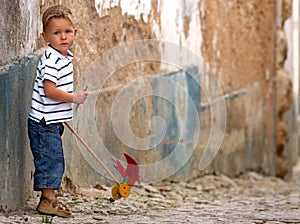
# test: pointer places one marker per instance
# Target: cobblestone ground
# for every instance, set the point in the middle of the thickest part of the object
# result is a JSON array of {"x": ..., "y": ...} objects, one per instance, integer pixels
[{"x": 251, "y": 198}]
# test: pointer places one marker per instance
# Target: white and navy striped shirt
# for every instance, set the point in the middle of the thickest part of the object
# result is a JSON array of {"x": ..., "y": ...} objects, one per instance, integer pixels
[{"x": 57, "y": 68}]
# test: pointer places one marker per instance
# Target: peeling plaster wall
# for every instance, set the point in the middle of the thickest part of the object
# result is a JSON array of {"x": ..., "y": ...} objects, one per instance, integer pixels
[
  {"x": 123, "y": 28},
  {"x": 138, "y": 9},
  {"x": 20, "y": 27},
  {"x": 288, "y": 84},
  {"x": 233, "y": 40},
  {"x": 238, "y": 42},
  {"x": 16, "y": 161}
]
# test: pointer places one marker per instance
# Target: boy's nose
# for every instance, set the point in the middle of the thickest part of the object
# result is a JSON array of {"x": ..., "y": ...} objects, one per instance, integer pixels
[{"x": 63, "y": 36}]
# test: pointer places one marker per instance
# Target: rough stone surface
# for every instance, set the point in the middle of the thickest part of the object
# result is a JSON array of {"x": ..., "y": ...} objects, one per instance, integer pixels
[
  {"x": 285, "y": 131},
  {"x": 16, "y": 160},
  {"x": 238, "y": 44},
  {"x": 19, "y": 26},
  {"x": 250, "y": 198}
]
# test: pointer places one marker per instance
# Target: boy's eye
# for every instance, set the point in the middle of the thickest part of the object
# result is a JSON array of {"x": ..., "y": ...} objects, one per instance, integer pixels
[
  {"x": 69, "y": 31},
  {"x": 56, "y": 33}
]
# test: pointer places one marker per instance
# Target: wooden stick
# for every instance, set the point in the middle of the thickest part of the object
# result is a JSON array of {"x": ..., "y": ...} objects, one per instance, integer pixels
[
  {"x": 92, "y": 152},
  {"x": 103, "y": 90}
]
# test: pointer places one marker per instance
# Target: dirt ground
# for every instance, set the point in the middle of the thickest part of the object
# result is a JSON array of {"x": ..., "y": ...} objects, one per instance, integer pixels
[{"x": 250, "y": 198}]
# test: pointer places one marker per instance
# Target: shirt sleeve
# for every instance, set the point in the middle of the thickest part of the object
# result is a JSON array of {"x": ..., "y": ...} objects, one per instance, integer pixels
[{"x": 50, "y": 71}]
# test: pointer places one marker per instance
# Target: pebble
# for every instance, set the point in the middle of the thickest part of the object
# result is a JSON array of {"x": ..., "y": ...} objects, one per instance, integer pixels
[{"x": 252, "y": 198}]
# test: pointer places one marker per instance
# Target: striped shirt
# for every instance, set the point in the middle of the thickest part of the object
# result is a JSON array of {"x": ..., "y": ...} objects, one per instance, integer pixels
[{"x": 57, "y": 68}]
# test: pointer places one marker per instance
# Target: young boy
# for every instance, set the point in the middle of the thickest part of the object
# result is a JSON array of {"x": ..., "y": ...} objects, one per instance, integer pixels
[{"x": 52, "y": 102}]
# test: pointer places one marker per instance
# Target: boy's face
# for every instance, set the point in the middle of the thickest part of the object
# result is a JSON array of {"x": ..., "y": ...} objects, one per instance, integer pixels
[{"x": 60, "y": 34}]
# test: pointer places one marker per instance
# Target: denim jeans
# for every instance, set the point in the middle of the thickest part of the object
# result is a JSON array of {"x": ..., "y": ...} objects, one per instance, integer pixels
[{"x": 46, "y": 147}]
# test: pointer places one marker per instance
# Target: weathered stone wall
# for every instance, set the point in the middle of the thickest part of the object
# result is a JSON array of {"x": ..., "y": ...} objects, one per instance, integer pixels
[
  {"x": 19, "y": 29},
  {"x": 289, "y": 23},
  {"x": 286, "y": 132},
  {"x": 249, "y": 54},
  {"x": 234, "y": 41},
  {"x": 19, "y": 24},
  {"x": 241, "y": 48},
  {"x": 16, "y": 161}
]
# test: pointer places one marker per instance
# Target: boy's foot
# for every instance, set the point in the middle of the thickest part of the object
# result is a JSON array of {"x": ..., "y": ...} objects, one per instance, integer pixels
[{"x": 54, "y": 207}]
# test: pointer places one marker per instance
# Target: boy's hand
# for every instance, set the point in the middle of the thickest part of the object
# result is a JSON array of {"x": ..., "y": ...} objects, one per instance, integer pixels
[{"x": 80, "y": 97}]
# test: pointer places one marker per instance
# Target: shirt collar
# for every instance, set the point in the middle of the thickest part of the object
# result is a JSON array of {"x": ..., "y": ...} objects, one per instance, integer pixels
[{"x": 52, "y": 50}]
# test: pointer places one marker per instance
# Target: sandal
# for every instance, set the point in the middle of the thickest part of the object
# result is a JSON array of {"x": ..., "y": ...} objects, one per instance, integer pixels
[{"x": 54, "y": 207}]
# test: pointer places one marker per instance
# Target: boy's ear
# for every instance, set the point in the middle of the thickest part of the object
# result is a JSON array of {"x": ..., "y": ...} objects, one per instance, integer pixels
[
  {"x": 75, "y": 32},
  {"x": 45, "y": 36}
]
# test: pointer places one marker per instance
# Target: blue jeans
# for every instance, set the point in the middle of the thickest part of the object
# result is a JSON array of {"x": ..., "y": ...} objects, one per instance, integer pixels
[{"x": 46, "y": 147}]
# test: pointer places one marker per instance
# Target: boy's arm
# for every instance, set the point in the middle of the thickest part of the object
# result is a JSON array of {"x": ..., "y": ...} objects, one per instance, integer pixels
[{"x": 59, "y": 95}]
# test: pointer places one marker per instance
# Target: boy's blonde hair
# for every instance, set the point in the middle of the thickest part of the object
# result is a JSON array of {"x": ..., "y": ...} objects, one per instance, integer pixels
[{"x": 57, "y": 11}]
